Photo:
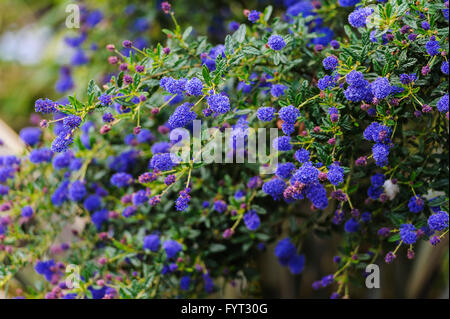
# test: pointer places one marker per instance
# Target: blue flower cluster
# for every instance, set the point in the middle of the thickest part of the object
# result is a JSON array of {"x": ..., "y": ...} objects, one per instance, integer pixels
[
  {"x": 287, "y": 256},
  {"x": 357, "y": 18},
  {"x": 182, "y": 116},
  {"x": 276, "y": 42}
]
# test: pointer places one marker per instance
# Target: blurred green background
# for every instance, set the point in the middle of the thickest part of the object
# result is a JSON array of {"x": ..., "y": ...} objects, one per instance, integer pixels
[{"x": 33, "y": 47}]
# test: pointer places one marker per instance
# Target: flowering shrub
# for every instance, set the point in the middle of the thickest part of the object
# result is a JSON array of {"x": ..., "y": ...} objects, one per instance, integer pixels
[{"x": 362, "y": 112}]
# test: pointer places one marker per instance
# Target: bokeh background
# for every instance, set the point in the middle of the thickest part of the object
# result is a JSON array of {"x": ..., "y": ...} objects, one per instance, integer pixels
[{"x": 41, "y": 57}]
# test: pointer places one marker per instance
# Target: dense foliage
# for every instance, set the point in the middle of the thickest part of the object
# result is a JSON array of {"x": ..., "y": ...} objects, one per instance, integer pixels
[{"x": 362, "y": 112}]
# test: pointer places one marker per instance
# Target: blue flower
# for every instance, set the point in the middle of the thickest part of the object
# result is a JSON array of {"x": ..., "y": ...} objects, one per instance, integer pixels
[
  {"x": 163, "y": 162},
  {"x": 65, "y": 81},
  {"x": 251, "y": 220},
  {"x": 152, "y": 243},
  {"x": 289, "y": 114},
  {"x": 359, "y": 89},
  {"x": 129, "y": 211},
  {"x": 121, "y": 179},
  {"x": 438, "y": 221},
  {"x": 351, "y": 226},
  {"x": 77, "y": 191},
  {"x": 407, "y": 78},
  {"x": 194, "y": 87},
  {"x": 277, "y": 90},
  {"x": 380, "y": 88},
  {"x": 266, "y": 114},
  {"x": 326, "y": 35},
  {"x": 99, "y": 217},
  {"x": 285, "y": 251},
  {"x": 302, "y": 155},
  {"x": 174, "y": 86},
  {"x": 377, "y": 133},
  {"x": 238, "y": 195},
  {"x": 79, "y": 58},
  {"x": 140, "y": 24},
  {"x": 140, "y": 197},
  {"x": 282, "y": 143},
  {"x": 330, "y": 63},
  {"x": 254, "y": 16},
  {"x": 30, "y": 135},
  {"x": 182, "y": 116},
  {"x": 317, "y": 194},
  {"x": 357, "y": 18},
  {"x": 348, "y": 3},
  {"x": 4, "y": 190},
  {"x": 160, "y": 147},
  {"x": 377, "y": 180},
  {"x": 335, "y": 174},
  {"x": 327, "y": 82},
  {"x": 245, "y": 87},
  {"x": 107, "y": 117},
  {"x": 45, "y": 106},
  {"x": 220, "y": 206},
  {"x": 274, "y": 188},
  {"x": 380, "y": 154},
  {"x": 62, "y": 142},
  {"x": 105, "y": 99},
  {"x": 287, "y": 128},
  {"x": 60, "y": 195},
  {"x": 71, "y": 121},
  {"x": 276, "y": 42},
  {"x": 144, "y": 136},
  {"x": 366, "y": 217},
  {"x": 408, "y": 234},
  {"x": 183, "y": 200},
  {"x": 219, "y": 103},
  {"x": 40, "y": 155},
  {"x": 432, "y": 47},
  {"x": 425, "y": 25},
  {"x": 62, "y": 160},
  {"x": 285, "y": 170},
  {"x": 27, "y": 212},
  {"x": 335, "y": 44},
  {"x": 185, "y": 282},
  {"x": 92, "y": 203},
  {"x": 233, "y": 26},
  {"x": 45, "y": 268},
  {"x": 296, "y": 264},
  {"x": 374, "y": 192},
  {"x": 302, "y": 7},
  {"x": 444, "y": 67},
  {"x": 94, "y": 18},
  {"x": 327, "y": 280},
  {"x": 209, "y": 284},
  {"x": 415, "y": 204},
  {"x": 172, "y": 248},
  {"x": 306, "y": 174},
  {"x": 442, "y": 104}
]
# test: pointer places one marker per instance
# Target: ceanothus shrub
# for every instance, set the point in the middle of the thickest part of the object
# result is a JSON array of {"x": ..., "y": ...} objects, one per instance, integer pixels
[{"x": 362, "y": 112}]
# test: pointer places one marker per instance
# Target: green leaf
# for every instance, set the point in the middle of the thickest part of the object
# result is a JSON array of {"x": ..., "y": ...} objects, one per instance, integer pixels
[
  {"x": 187, "y": 32},
  {"x": 251, "y": 50},
  {"x": 239, "y": 35},
  {"x": 93, "y": 89},
  {"x": 394, "y": 238},
  {"x": 206, "y": 76},
  {"x": 228, "y": 45},
  {"x": 268, "y": 13},
  {"x": 215, "y": 248}
]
